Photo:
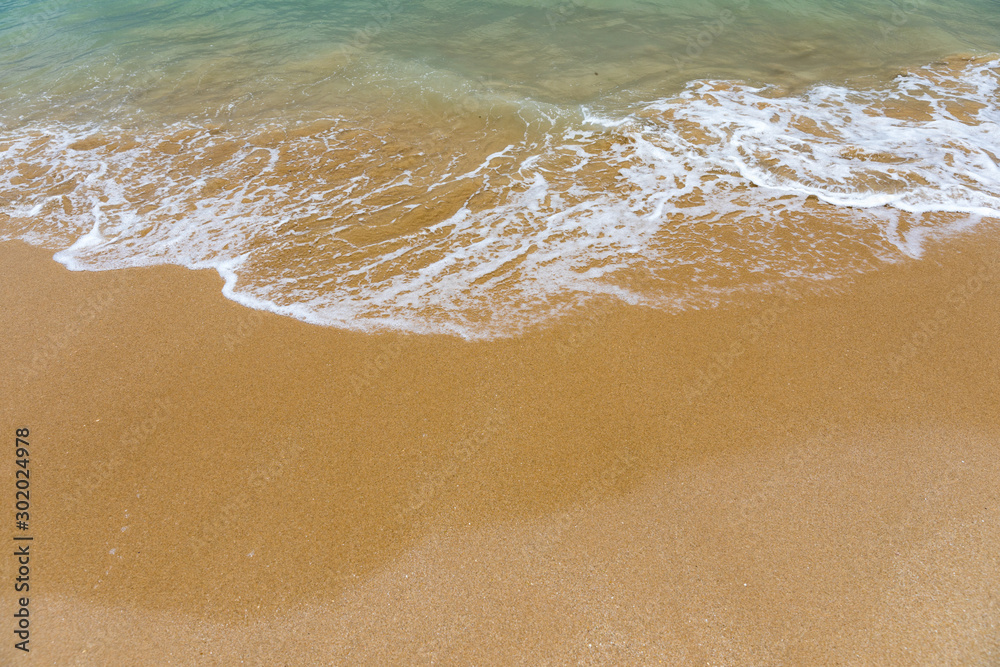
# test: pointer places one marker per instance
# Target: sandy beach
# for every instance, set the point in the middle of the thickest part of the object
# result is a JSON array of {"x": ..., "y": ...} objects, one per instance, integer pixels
[
  {"x": 500, "y": 333},
  {"x": 811, "y": 478}
]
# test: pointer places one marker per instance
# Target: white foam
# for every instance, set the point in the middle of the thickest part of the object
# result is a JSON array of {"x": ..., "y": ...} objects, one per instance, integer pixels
[
  {"x": 674, "y": 204},
  {"x": 592, "y": 118}
]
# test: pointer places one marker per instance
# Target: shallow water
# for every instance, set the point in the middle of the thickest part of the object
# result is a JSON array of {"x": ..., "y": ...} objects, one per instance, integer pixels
[{"x": 480, "y": 168}]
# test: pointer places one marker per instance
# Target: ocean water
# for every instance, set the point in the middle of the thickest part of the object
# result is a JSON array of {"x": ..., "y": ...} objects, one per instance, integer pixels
[{"x": 478, "y": 167}]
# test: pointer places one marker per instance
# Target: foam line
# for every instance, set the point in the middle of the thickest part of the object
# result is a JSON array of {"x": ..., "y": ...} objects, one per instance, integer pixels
[{"x": 677, "y": 203}]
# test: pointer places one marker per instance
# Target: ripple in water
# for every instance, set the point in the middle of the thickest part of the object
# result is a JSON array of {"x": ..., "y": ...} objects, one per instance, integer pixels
[{"x": 482, "y": 214}]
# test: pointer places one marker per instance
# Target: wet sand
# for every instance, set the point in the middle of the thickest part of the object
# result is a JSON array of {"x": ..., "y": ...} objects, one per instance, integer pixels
[{"x": 809, "y": 479}]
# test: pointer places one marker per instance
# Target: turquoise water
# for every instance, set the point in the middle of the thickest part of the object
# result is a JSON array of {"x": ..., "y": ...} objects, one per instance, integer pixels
[
  {"x": 478, "y": 168},
  {"x": 258, "y": 57}
]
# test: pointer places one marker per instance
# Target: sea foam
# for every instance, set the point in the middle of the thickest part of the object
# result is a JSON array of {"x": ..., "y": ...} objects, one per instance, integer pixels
[{"x": 485, "y": 218}]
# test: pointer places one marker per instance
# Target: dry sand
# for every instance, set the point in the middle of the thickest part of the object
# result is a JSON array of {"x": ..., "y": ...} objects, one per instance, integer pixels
[{"x": 811, "y": 479}]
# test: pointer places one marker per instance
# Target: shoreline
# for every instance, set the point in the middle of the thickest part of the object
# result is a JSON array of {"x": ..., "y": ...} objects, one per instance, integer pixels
[
  {"x": 377, "y": 222},
  {"x": 805, "y": 480}
]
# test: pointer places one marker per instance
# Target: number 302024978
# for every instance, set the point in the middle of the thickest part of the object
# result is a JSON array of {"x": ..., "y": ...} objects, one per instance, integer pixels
[{"x": 22, "y": 475}]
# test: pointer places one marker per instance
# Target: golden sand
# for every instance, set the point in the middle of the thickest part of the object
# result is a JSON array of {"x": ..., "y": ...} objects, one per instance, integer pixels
[{"x": 811, "y": 480}]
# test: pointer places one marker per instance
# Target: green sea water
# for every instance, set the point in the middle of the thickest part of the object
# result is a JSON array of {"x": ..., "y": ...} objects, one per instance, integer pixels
[{"x": 231, "y": 57}]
